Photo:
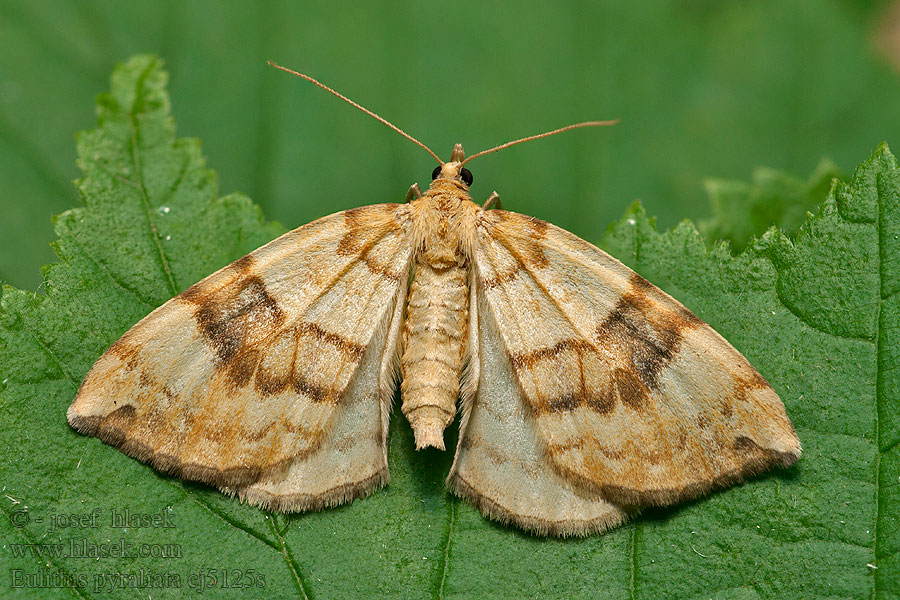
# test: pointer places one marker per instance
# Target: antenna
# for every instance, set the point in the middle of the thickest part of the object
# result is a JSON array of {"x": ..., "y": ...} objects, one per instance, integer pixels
[
  {"x": 541, "y": 135},
  {"x": 420, "y": 144},
  {"x": 360, "y": 107}
]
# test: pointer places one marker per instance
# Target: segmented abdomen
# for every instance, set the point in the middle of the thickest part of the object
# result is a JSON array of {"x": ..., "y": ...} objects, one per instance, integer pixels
[{"x": 434, "y": 343}]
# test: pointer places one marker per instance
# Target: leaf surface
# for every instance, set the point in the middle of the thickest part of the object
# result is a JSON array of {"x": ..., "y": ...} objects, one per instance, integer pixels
[{"x": 818, "y": 316}]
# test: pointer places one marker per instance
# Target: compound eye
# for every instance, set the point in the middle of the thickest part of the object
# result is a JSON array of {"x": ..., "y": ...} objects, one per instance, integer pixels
[
  {"x": 466, "y": 176},
  {"x": 436, "y": 172}
]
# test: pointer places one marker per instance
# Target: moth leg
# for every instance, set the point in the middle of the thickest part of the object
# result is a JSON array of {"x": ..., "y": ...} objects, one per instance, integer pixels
[
  {"x": 414, "y": 193},
  {"x": 493, "y": 201}
]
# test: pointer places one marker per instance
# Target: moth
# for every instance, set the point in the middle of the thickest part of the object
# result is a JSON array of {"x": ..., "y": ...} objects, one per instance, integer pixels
[{"x": 585, "y": 392}]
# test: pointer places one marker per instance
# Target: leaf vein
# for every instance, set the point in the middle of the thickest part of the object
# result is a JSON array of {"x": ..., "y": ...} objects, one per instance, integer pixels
[
  {"x": 50, "y": 353},
  {"x": 236, "y": 524},
  {"x": 145, "y": 198},
  {"x": 289, "y": 561},
  {"x": 785, "y": 303},
  {"x": 103, "y": 269},
  {"x": 632, "y": 552},
  {"x": 879, "y": 380},
  {"x": 49, "y": 561},
  {"x": 445, "y": 570}
]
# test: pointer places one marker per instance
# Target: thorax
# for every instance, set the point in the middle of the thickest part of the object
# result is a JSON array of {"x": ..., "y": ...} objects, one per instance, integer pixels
[{"x": 444, "y": 224}]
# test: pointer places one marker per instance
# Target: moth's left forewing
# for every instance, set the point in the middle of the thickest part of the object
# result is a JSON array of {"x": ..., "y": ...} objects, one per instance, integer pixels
[
  {"x": 635, "y": 398},
  {"x": 352, "y": 461},
  {"x": 500, "y": 465}
]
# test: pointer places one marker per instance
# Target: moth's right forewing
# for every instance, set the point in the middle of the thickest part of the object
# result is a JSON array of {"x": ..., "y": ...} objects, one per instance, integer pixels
[
  {"x": 352, "y": 461},
  {"x": 246, "y": 372}
]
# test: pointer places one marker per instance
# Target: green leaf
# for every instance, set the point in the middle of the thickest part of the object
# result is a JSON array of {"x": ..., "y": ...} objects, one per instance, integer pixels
[
  {"x": 818, "y": 316},
  {"x": 741, "y": 211}
]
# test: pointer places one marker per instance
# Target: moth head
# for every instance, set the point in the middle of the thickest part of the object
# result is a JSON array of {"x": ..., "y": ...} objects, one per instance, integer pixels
[{"x": 454, "y": 169}]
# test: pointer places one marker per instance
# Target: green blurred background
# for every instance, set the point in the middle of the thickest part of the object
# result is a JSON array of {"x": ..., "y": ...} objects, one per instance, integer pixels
[{"x": 704, "y": 89}]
